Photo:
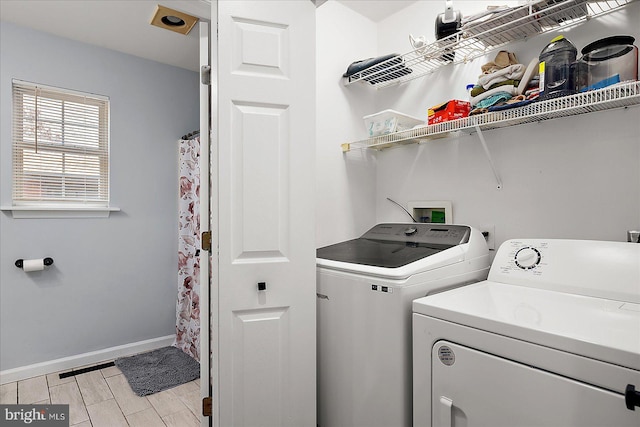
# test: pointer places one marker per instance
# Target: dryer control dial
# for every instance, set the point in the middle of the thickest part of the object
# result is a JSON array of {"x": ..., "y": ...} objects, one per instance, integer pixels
[{"x": 527, "y": 258}]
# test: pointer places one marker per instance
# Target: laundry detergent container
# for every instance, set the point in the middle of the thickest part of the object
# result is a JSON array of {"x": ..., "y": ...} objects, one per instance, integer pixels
[
  {"x": 607, "y": 61},
  {"x": 556, "y": 68}
]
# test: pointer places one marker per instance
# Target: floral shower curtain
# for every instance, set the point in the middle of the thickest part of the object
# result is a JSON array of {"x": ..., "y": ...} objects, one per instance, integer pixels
[{"x": 188, "y": 305}]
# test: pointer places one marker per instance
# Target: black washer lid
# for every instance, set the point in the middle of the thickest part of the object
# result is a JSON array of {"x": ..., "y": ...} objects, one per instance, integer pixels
[
  {"x": 607, "y": 42},
  {"x": 393, "y": 245}
]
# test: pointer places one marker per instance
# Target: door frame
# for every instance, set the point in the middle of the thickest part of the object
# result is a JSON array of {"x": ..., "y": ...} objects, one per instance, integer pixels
[
  {"x": 207, "y": 258},
  {"x": 213, "y": 298}
]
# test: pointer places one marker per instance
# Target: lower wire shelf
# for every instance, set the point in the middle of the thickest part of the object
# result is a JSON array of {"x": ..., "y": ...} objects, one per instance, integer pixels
[{"x": 618, "y": 96}]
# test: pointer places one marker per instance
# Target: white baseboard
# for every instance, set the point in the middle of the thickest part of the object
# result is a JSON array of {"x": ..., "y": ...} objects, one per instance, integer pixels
[{"x": 91, "y": 358}]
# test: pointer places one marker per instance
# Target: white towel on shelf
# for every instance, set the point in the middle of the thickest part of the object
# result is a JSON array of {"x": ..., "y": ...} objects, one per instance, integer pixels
[{"x": 512, "y": 72}]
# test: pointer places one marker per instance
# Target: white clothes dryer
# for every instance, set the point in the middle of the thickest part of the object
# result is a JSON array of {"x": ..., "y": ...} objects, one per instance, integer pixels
[
  {"x": 365, "y": 287},
  {"x": 551, "y": 338}
]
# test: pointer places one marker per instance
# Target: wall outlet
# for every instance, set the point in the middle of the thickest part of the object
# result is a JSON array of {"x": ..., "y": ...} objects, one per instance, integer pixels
[{"x": 491, "y": 238}]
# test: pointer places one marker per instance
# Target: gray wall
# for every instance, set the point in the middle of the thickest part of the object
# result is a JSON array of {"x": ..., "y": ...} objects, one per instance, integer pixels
[{"x": 114, "y": 280}]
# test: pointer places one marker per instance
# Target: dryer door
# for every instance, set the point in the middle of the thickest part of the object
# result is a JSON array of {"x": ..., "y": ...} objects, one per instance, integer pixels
[{"x": 478, "y": 389}]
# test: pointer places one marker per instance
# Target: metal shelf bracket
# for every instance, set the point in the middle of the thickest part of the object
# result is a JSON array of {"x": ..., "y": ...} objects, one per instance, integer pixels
[{"x": 488, "y": 154}]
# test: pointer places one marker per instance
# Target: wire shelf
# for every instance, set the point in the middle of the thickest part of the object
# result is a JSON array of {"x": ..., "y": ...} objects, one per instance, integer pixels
[
  {"x": 618, "y": 96},
  {"x": 481, "y": 36}
]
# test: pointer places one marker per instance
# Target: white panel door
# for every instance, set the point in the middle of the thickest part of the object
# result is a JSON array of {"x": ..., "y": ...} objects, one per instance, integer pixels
[
  {"x": 264, "y": 340},
  {"x": 472, "y": 388}
]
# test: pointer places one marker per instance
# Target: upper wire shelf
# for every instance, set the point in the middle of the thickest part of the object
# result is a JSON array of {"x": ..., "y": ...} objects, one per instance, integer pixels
[
  {"x": 620, "y": 95},
  {"x": 480, "y": 36}
]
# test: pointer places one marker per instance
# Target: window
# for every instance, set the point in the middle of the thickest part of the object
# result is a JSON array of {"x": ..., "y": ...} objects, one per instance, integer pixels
[{"x": 60, "y": 147}]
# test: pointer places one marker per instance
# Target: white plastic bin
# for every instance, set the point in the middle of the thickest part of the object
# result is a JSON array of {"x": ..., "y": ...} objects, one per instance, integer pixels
[{"x": 389, "y": 121}]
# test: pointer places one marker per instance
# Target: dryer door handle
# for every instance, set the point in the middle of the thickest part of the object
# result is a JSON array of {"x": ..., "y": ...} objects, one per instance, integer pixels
[
  {"x": 446, "y": 412},
  {"x": 631, "y": 397}
]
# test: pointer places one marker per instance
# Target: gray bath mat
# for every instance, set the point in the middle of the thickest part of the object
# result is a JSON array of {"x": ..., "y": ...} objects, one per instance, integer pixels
[{"x": 158, "y": 370}]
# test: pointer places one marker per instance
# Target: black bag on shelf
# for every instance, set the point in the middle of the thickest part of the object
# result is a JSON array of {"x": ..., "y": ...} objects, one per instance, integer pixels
[{"x": 380, "y": 70}]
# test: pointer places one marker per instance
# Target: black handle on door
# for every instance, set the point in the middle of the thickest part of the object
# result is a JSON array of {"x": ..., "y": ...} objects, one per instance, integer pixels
[
  {"x": 631, "y": 397},
  {"x": 262, "y": 286}
]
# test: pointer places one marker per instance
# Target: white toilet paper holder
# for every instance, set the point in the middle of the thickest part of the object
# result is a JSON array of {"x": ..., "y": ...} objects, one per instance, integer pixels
[{"x": 47, "y": 261}]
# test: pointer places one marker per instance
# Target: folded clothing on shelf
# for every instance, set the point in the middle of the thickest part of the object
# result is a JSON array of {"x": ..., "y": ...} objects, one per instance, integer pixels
[
  {"x": 508, "y": 90},
  {"x": 502, "y": 60},
  {"x": 503, "y": 101},
  {"x": 501, "y": 85},
  {"x": 477, "y": 89},
  {"x": 503, "y": 74},
  {"x": 516, "y": 101},
  {"x": 511, "y": 72}
]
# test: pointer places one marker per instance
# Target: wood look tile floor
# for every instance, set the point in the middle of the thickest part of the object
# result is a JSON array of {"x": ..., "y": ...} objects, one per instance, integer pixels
[{"x": 103, "y": 398}]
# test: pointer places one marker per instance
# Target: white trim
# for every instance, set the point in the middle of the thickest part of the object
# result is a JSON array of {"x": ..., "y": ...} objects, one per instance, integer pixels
[
  {"x": 93, "y": 357},
  {"x": 214, "y": 190},
  {"x": 21, "y": 212},
  {"x": 60, "y": 90},
  {"x": 205, "y": 217}
]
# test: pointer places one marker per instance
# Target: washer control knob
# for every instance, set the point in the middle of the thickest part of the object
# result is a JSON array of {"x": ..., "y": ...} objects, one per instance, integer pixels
[
  {"x": 527, "y": 258},
  {"x": 410, "y": 231}
]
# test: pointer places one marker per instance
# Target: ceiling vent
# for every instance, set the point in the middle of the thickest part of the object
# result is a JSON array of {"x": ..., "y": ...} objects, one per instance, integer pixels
[{"x": 173, "y": 20}]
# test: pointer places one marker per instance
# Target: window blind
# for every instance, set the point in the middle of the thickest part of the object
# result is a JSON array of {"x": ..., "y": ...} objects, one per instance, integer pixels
[{"x": 60, "y": 147}]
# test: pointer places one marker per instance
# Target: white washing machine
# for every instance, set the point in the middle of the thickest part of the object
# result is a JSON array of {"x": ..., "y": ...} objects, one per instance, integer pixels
[
  {"x": 365, "y": 288},
  {"x": 552, "y": 338}
]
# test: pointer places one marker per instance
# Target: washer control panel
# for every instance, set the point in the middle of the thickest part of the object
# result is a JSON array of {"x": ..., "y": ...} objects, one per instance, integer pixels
[{"x": 440, "y": 234}]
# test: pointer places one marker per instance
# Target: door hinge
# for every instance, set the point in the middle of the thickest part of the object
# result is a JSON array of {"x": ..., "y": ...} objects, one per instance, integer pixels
[
  {"x": 207, "y": 406},
  {"x": 206, "y": 241},
  {"x": 205, "y": 74}
]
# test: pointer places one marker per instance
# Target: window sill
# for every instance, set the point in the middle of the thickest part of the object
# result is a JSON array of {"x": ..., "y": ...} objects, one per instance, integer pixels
[{"x": 22, "y": 212}]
